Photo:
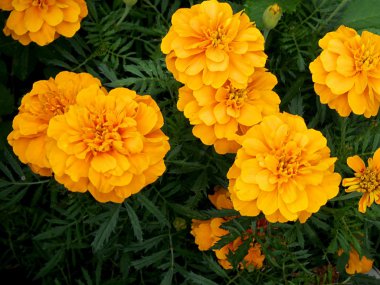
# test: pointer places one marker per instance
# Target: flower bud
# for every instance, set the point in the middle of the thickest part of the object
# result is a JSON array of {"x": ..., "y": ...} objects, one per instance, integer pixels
[
  {"x": 130, "y": 3},
  {"x": 271, "y": 16},
  {"x": 179, "y": 224}
]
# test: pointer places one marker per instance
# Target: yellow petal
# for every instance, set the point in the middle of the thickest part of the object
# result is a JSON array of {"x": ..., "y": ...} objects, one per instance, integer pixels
[
  {"x": 268, "y": 202},
  {"x": 356, "y": 163},
  {"x": 53, "y": 15},
  {"x": 103, "y": 162}
]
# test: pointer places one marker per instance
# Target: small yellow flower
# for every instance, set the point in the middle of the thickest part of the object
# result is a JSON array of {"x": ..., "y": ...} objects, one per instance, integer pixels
[
  {"x": 42, "y": 21},
  {"x": 207, "y": 232},
  {"x": 356, "y": 264},
  {"x": 47, "y": 99},
  {"x": 209, "y": 45},
  {"x": 283, "y": 169},
  {"x": 346, "y": 74},
  {"x": 366, "y": 180}
]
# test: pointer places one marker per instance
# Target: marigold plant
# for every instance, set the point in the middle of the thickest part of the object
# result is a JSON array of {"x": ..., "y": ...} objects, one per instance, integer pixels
[
  {"x": 366, "y": 180},
  {"x": 283, "y": 169},
  {"x": 111, "y": 145},
  {"x": 42, "y": 21},
  {"x": 221, "y": 115},
  {"x": 47, "y": 99},
  {"x": 346, "y": 74},
  {"x": 207, "y": 45},
  {"x": 355, "y": 264}
]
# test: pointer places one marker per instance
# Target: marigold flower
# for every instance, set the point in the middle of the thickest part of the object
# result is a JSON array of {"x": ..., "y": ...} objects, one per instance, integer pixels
[
  {"x": 207, "y": 232},
  {"x": 42, "y": 21},
  {"x": 221, "y": 198},
  {"x": 207, "y": 45},
  {"x": 356, "y": 264},
  {"x": 111, "y": 145},
  {"x": 47, "y": 99},
  {"x": 366, "y": 180},
  {"x": 221, "y": 115},
  {"x": 346, "y": 74},
  {"x": 283, "y": 169},
  {"x": 253, "y": 260}
]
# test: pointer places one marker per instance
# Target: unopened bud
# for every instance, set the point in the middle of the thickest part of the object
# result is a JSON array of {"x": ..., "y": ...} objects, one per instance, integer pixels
[
  {"x": 179, "y": 224},
  {"x": 130, "y": 3},
  {"x": 271, "y": 16}
]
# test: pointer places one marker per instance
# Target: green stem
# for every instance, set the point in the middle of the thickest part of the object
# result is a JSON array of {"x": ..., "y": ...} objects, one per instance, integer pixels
[
  {"x": 125, "y": 14},
  {"x": 337, "y": 9}
]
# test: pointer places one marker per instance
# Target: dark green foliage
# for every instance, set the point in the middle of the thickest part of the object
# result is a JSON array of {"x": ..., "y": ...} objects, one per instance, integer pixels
[{"x": 49, "y": 235}]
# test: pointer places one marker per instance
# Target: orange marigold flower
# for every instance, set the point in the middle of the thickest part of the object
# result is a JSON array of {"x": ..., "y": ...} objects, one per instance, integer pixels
[
  {"x": 207, "y": 232},
  {"x": 346, "y": 74},
  {"x": 356, "y": 264},
  {"x": 111, "y": 145},
  {"x": 207, "y": 45},
  {"x": 366, "y": 180},
  {"x": 221, "y": 198},
  {"x": 47, "y": 99},
  {"x": 283, "y": 169},
  {"x": 42, "y": 21},
  {"x": 253, "y": 260},
  {"x": 221, "y": 115}
]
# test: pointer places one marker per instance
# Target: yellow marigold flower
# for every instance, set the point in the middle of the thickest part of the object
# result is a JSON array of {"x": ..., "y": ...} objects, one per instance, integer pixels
[
  {"x": 111, "y": 145},
  {"x": 221, "y": 115},
  {"x": 207, "y": 45},
  {"x": 356, "y": 264},
  {"x": 221, "y": 198},
  {"x": 283, "y": 169},
  {"x": 253, "y": 260},
  {"x": 47, "y": 99},
  {"x": 42, "y": 21},
  {"x": 346, "y": 74},
  {"x": 207, "y": 232},
  {"x": 366, "y": 180}
]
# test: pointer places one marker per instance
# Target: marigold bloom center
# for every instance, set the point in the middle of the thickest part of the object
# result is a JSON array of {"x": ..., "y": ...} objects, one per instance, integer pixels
[
  {"x": 54, "y": 103},
  {"x": 102, "y": 136},
  {"x": 218, "y": 37},
  {"x": 366, "y": 58},
  {"x": 40, "y": 3},
  {"x": 288, "y": 164},
  {"x": 369, "y": 181},
  {"x": 236, "y": 97}
]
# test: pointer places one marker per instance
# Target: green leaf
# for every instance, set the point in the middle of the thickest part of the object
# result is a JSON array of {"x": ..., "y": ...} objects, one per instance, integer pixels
[
  {"x": 53, "y": 262},
  {"x": 167, "y": 280},
  {"x": 362, "y": 15},
  {"x": 149, "y": 260},
  {"x": 106, "y": 229},
  {"x": 198, "y": 279},
  {"x": 51, "y": 233},
  {"x": 134, "y": 221},
  {"x": 6, "y": 101},
  {"x": 157, "y": 213}
]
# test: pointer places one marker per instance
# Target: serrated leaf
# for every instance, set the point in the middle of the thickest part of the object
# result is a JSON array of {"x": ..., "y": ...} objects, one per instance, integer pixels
[
  {"x": 134, "y": 221},
  {"x": 198, "y": 279},
  {"x": 53, "y": 262},
  {"x": 362, "y": 15},
  {"x": 51, "y": 233},
  {"x": 167, "y": 280},
  {"x": 106, "y": 229},
  {"x": 157, "y": 213},
  {"x": 149, "y": 260}
]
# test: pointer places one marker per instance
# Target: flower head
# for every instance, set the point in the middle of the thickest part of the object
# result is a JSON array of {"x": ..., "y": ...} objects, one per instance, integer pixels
[
  {"x": 208, "y": 45},
  {"x": 253, "y": 260},
  {"x": 271, "y": 16},
  {"x": 221, "y": 198},
  {"x": 283, "y": 169},
  {"x": 346, "y": 74},
  {"x": 207, "y": 232},
  {"x": 47, "y": 99},
  {"x": 221, "y": 115},
  {"x": 111, "y": 145},
  {"x": 366, "y": 180},
  {"x": 356, "y": 264},
  {"x": 42, "y": 21}
]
